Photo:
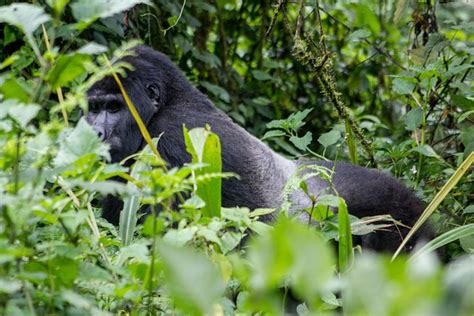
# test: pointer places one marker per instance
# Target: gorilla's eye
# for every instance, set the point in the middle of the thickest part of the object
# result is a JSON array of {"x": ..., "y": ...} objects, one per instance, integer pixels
[
  {"x": 113, "y": 107},
  {"x": 94, "y": 108}
]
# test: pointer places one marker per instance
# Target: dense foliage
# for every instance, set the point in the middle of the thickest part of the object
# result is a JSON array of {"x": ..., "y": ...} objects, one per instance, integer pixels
[{"x": 379, "y": 84}]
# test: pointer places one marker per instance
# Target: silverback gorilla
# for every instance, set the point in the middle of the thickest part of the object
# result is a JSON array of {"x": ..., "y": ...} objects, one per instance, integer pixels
[{"x": 166, "y": 100}]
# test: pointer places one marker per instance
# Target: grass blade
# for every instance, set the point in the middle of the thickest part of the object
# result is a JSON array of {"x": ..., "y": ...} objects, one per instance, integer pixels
[
  {"x": 346, "y": 254},
  {"x": 445, "y": 239},
  {"x": 131, "y": 204},
  {"x": 437, "y": 200}
]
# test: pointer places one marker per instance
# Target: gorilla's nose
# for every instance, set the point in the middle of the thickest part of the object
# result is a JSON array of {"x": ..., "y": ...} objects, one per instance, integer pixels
[
  {"x": 101, "y": 135},
  {"x": 100, "y": 132}
]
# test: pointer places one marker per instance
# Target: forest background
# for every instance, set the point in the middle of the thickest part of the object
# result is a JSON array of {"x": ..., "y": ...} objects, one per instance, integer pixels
[{"x": 376, "y": 83}]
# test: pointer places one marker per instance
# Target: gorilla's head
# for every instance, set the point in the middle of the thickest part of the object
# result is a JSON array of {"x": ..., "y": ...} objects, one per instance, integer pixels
[{"x": 148, "y": 86}]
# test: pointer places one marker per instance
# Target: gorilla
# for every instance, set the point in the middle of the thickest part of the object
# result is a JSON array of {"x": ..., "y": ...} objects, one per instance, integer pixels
[{"x": 166, "y": 100}]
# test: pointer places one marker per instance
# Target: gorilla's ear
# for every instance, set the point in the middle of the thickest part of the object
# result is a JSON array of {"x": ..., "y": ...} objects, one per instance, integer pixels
[{"x": 153, "y": 92}]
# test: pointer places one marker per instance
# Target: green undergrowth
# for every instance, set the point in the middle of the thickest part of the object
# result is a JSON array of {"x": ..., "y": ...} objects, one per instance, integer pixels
[{"x": 58, "y": 256}]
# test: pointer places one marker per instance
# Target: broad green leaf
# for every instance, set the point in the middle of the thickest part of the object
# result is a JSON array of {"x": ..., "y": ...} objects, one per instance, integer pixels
[
  {"x": 293, "y": 122},
  {"x": 292, "y": 254},
  {"x": 273, "y": 133},
  {"x": 302, "y": 142},
  {"x": 403, "y": 85},
  {"x": 138, "y": 251},
  {"x": 172, "y": 20},
  {"x": 12, "y": 89},
  {"x": 365, "y": 17},
  {"x": 329, "y": 138},
  {"x": 57, "y": 5},
  {"x": 465, "y": 115},
  {"x": 207, "y": 57},
  {"x": 261, "y": 76},
  {"x": 346, "y": 254},
  {"x": 427, "y": 151},
  {"x": 261, "y": 101},
  {"x": 204, "y": 147},
  {"x": 75, "y": 299},
  {"x": 92, "y": 48},
  {"x": 27, "y": 17},
  {"x": 237, "y": 214},
  {"x": 66, "y": 69},
  {"x": 89, "y": 10},
  {"x": 179, "y": 237},
  {"x": 328, "y": 200},
  {"x": 469, "y": 210},
  {"x": 229, "y": 241},
  {"x": 23, "y": 113},
  {"x": 9, "y": 286},
  {"x": 462, "y": 101},
  {"x": 194, "y": 282},
  {"x": 359, "y": 34},
  {"x": 219, "y": 92},
  {"x": 77, "y": 142},
  {"x": 413, "y": 119}
]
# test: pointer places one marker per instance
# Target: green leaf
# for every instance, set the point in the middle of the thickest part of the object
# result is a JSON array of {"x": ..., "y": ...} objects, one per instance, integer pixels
[
  {"x": 92, "y": 48},
  {"x": 427, "y": 151},
  {"x": 445, "y": 239},
  {"x": 131, "y": 204},
  {"x": 23, "y": 113},
  {"x": 273, "y": 133},
  {"x": 261, "y": 101},
  {"x": 219, "y": 92},
  {"x": 359, "y": 34},
  {"x": 346, "y": 254},
  {"x": 26, "y": 17},
  {"x": 302, "y": 142},
  {"x": 292, "y": 254},
  {"x": 329, "y": 138},
  {"x": 9, "y": 286},
  {"x": 89, "y": 10},
  {"x": 75, "y": 299},
  {"x": 229, "y": 241},
  {"x": 293, "y": 122},
  {"x": 207, "y": 57},
  {"x": 469, "y": 210},
  {"x": 237, "y": 214},
  {"x": 462, "y": 101},
  {"x": 77, "y": 142},
  {"x": 404, "y": 85},
  {"x": 366, "y": 17},
  {"x": 261, "y": 76},
  {"x": 204, "y": 147},
  {"x": 296, "y": 119},
  {"x": 179, "y": 237},
  {"x": 172, "y": 20},
  {"x": 193, "y": 281},
  {"x": 11, "y": 89},
  {"x": 57, "y": 5},
  {"x": 66, "y": 69},
  {"x": 413, "y": 119}
]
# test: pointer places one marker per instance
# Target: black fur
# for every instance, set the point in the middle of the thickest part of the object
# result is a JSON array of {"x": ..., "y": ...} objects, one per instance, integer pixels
[{"x": 166, "y": 100}]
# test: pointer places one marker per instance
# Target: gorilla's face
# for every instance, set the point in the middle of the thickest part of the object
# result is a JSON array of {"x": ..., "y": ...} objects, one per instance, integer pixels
[{"x": 110, "y": 117}]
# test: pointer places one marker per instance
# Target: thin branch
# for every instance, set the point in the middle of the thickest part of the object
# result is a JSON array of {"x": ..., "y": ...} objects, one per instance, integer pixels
[{"x": 377, "y": 48}]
